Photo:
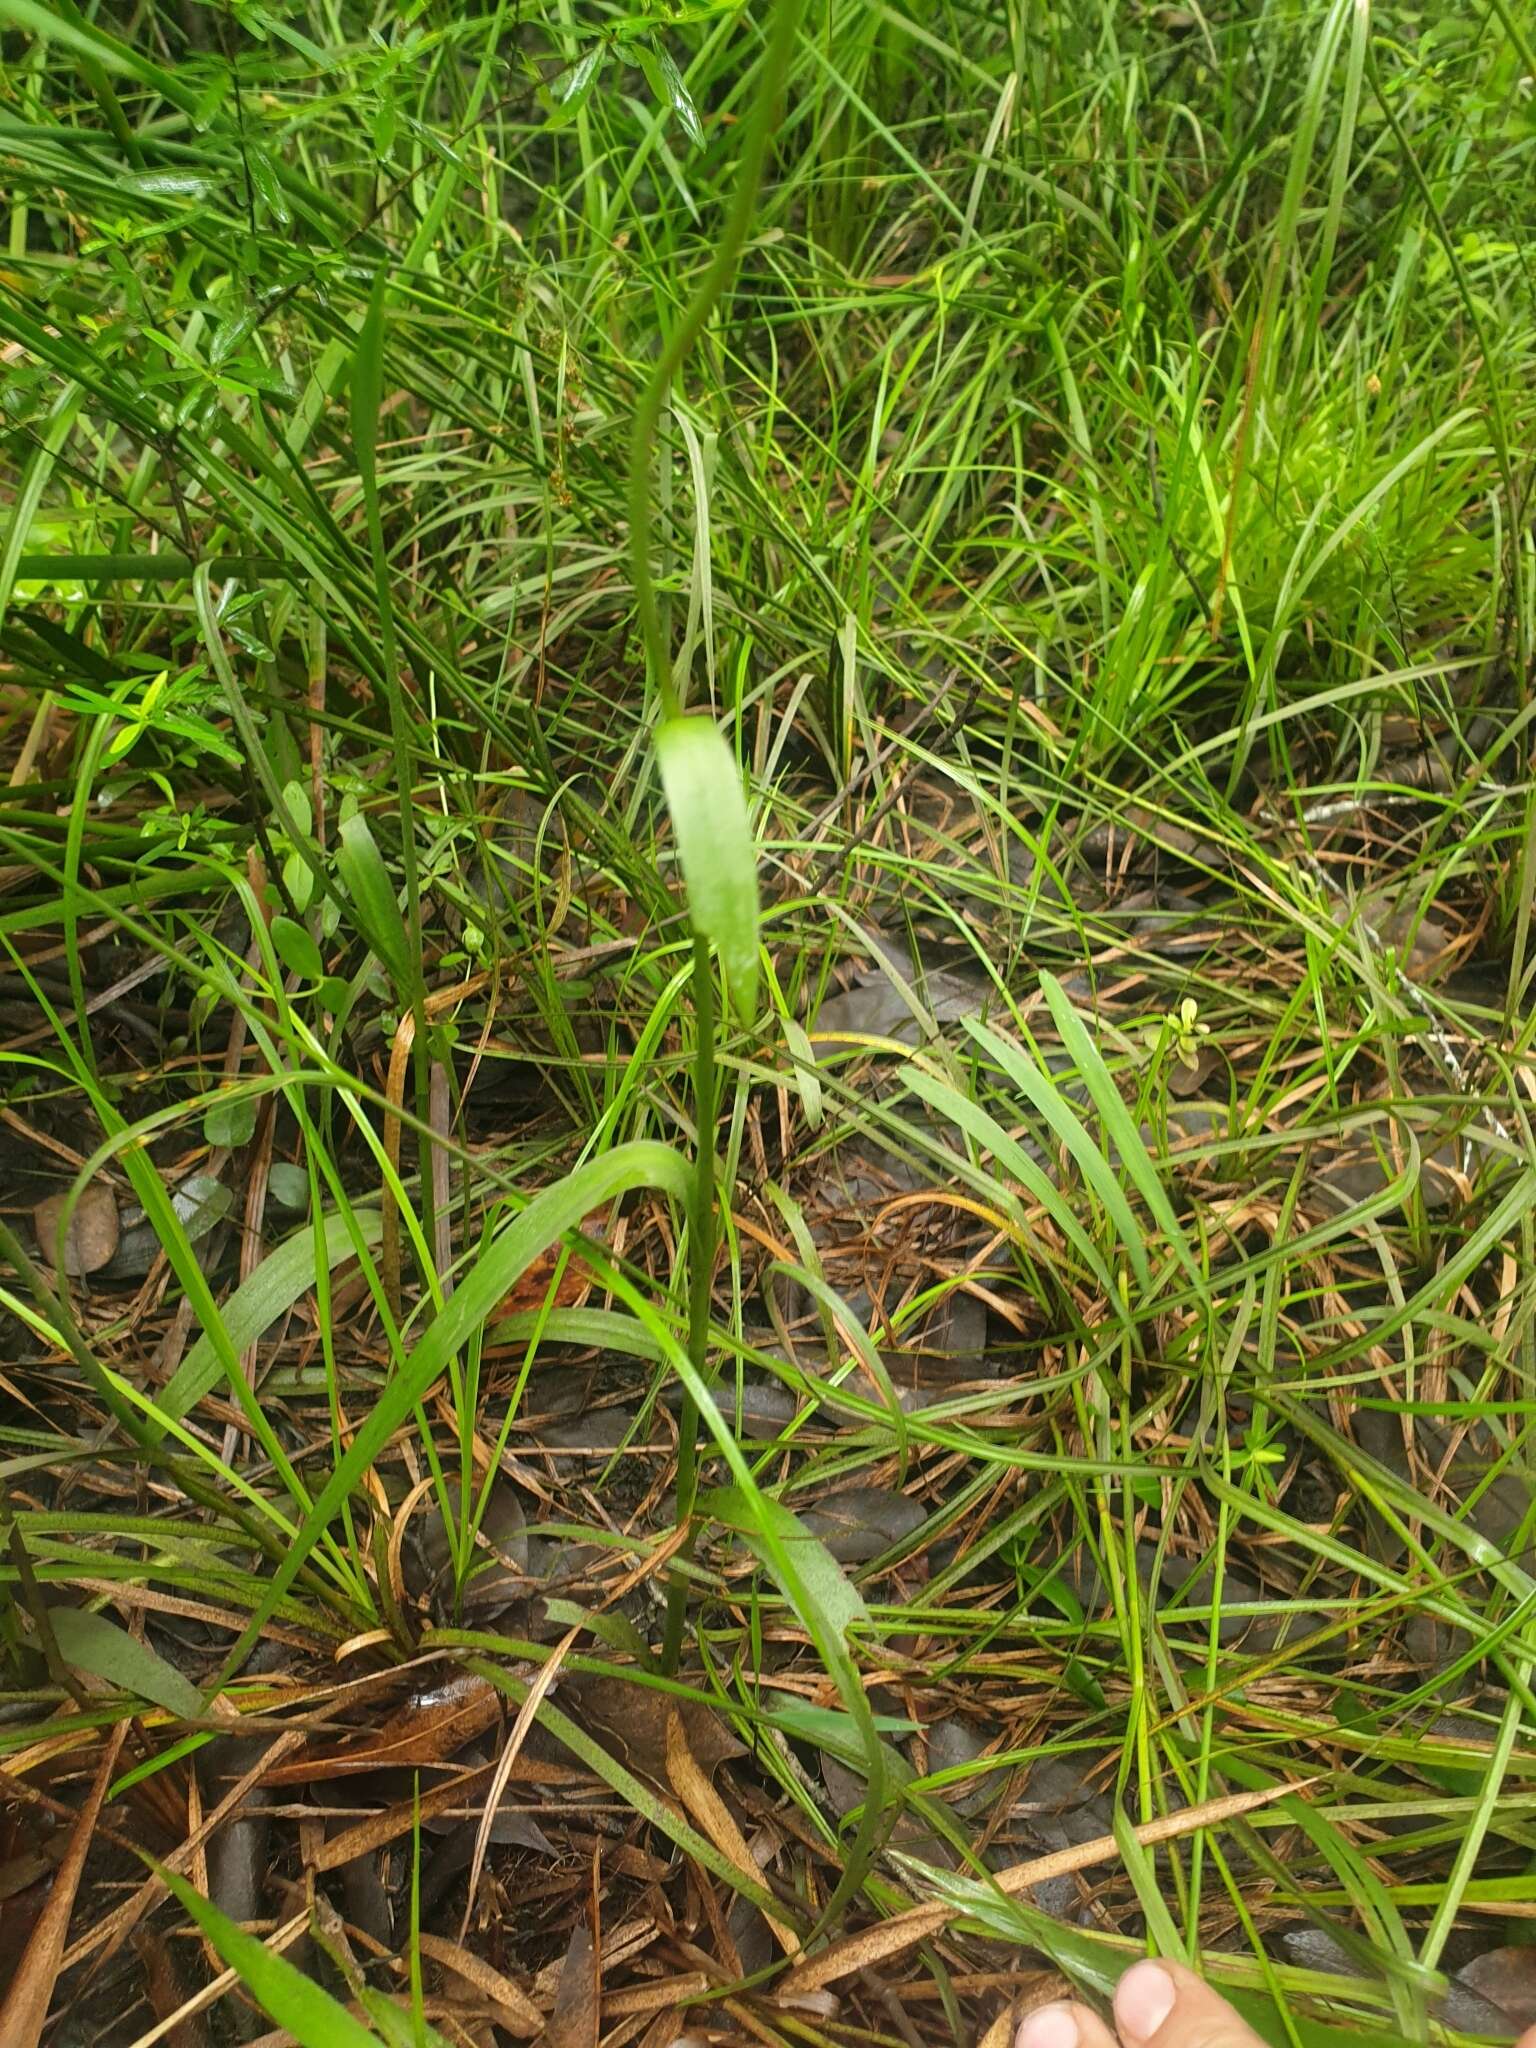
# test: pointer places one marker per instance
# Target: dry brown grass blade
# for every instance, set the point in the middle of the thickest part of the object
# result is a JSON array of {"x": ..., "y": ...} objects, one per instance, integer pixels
[
  {"x": 382, "y": 1828},
  {"x": 25, "y": 2011},
  {"x": 715, "y": 1819},
  {"x": 875, "y": 1945},
  {"x": 437, "y": 1005},
  {"x": 394, "y": 1095},
  {"x": 536, "y": 1692}
]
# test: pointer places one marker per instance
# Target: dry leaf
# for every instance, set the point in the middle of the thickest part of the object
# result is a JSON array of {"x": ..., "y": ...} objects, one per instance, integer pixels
[
  {"x": 93, "y": 1231},
  {"x": 164, "y": 1991},
  {"x": 428, "y": 1730},
  {"x": 631, "y": 1720},
  {"x": 531, "y": 1289},
  {"x": 514, "y": 2009},
  {"x": 25, "y": 2011},
  {"x": 715, "y": 1819},
  {"x": 573, "y": 2023},
  {"x": 1506, "y": 1977}
]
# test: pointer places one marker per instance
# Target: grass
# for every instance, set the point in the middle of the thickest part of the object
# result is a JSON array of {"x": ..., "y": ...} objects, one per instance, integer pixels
[{"x": 1094, "y": 508}]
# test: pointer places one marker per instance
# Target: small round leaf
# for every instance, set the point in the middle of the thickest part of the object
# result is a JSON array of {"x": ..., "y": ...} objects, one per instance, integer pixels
[{"x": 231, "y": 1122}]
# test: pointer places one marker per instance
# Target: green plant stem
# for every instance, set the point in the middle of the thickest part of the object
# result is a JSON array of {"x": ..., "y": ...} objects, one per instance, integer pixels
[
  {"x": 722, "y": 268},
  {"x": 702, "y": 1239}
]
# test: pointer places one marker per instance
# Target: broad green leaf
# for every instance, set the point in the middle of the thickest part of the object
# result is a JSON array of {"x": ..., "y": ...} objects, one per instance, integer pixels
[
  {"x": 714, "y": 843},
  {"x": 311, "y": 2015},
  {"x": 819, "y": 1572},
  {"x": 572, "y": 89},
  {"x": 301, "y": 816},
  {"x": 288, "y": 1186},
  {"x": 666, "y": 81},
  {"x": 201, "y": 1201},
  {"x": 374, "y": 903},
  {"x": 807, "y": 1075},
  {"x": 1043, "y": 1095},
  {"x": 826, "y": 1728},
  {"x": 92, "y": 1643},
  {"x": 296, "y": 949}
]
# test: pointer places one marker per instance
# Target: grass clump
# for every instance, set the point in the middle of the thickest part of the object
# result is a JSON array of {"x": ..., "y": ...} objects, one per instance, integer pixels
[{"x": 767, "y": 910}]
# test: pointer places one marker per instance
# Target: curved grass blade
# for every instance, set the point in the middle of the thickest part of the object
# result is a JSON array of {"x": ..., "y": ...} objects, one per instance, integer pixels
[
  {"x": 273, "y": 1288},
  {"x": 977, "y": 1123}
]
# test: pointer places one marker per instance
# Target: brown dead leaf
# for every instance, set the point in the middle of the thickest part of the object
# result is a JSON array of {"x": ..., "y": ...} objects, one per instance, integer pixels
[
  {"x": 163, "y": 1987},
  {"x": 573, "y": 2023},
  {"x": 715, "y": 1818},
  {"x": 25, "y": 2011},
  {"x": 92, "y": 1235},
  {"x": 428, "y": 1730},
  {"x": 513, "y": 2009},
  {"x": 631, "y": 1721},
  {"x": 1506, "y": 1977},
  {"x": 531, "y": 1289}
]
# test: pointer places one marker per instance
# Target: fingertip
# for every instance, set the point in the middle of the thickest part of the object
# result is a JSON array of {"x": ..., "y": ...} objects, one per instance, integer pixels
[
  {"x": 1144, "y": 1997},
  {"x": 1063, "y": 2025},
  {"x": 1166, "y": 2004}
]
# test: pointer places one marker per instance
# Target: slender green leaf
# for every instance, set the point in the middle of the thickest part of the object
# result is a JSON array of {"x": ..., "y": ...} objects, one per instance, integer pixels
[
  {"x": 1043, "y": 1095},
  {"x": 374, "y": 902},
  {"x": 714, "y": 844},
  {"x": 1118, "y": 1125},
  {"x": 969, "y": 1117},
  {"x": 92, "y": 1643},
  {"x": 310, "y": 2014}
]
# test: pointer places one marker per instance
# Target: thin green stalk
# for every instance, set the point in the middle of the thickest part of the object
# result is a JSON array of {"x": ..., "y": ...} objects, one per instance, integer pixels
[
  {"x": 702, "y": 1240},
  {"x": 687, "y": 331}
]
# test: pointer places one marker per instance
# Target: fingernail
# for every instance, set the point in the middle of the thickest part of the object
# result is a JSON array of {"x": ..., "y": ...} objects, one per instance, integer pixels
[
  {"x": 1143, "y": 2000},
  {"x": 1051, "y": 2027}
]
